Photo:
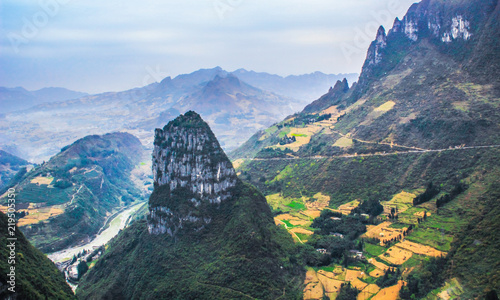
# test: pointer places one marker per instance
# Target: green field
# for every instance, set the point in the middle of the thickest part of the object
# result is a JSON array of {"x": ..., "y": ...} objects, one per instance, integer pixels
[
  {"x": 431, "y": 237},
  {"x": 33, "y": 193},
  {"x": 374, "y": 250},
  {"x": 296, "y": 205}
]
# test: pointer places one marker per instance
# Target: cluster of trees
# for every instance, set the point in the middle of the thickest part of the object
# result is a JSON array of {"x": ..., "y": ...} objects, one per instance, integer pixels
[
  {"x": 341, "y": 117},
  {"x": 63, "y": 183},
  {"x": 304, "y": 120},
  {"x": 430, "y": 275},
  {"x": 390, "y": 278},
  {"x": 429, "y": 193},
  {"x": 330, "y": 222},
  {"x": 273, "y": 152},
  {"x": 371, "y": 207},
  {"x": 347, "y": 292},
  {"x": 82, "y": 268},
  {"x": 394, "y": 213},
  {"x": 457, "y": 190},
  {"x": 287, "y": 140}
]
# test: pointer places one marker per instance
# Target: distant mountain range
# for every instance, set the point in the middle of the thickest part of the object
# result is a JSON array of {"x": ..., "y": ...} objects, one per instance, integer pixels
[
  {"x": 10, "y": 165},
  {"x": 304, "y": 87},
  {"x": 15, "y": 99},
  {"x": 234, "y": 108}
]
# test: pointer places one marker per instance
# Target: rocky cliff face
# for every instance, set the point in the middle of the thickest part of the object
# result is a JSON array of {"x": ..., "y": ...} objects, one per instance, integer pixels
[{"x": 192, "y": 175}]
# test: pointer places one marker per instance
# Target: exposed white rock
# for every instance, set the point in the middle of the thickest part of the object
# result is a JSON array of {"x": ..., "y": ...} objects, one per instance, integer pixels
[
  {"x": 189, "y": 157},
  {"x": 460, "y": 29},
  {"x": 410, "y": 28},
  {"x": 374, "y": 55}
]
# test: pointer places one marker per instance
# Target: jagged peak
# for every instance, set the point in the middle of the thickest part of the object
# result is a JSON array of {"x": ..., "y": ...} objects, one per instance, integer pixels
[
  {"x": 191, "y": 172},
  {"x": 381, "y": 36},
  {"x": 190, "y": 119},
  {"x": 340, "y": 86}
]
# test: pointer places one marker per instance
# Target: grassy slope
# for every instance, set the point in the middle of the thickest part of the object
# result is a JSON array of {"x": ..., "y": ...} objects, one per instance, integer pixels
[
  {"x": 36, "y": 276},
  {"x": 240, "y": 255},
  {"x": 476, "y": 254},
  {"x": 381, "y": 177},
  {"x": 97, "y": 169}
]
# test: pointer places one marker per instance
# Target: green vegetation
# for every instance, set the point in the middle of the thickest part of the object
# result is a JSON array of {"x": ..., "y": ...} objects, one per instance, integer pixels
[
  {"x": 429, "y": 193},
  {"x": 427, "y": 277},
  {"x": 241, "y": 254},
  {"x": 36, "y": 276},
  {"x": 12, "y": 169},
  {"x": 347, "y": 292},
  {"x": 374, "y": 250},
  {"x": 297, "y": 205},
  {"x": 91, "y": 188},
  {"x": 390, "y": 278},
  {"x": 350, "y": 226}
]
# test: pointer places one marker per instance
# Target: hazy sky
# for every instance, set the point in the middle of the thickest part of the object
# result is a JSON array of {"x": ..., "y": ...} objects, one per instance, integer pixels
[{"x": 96, "y": 46}]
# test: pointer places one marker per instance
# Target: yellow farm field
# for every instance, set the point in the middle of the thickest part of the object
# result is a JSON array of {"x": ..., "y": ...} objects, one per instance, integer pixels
[
  {"x": 383, "y": 232},
  {"x": 42, "y": 180},
  {"x": 321, "y": 201},
  {"x": 331, "y": 110},
  {"x": 351, "y": 275},
  {"x": 313, "y": 288},
  {"x": 386, "y": 106},
  {"x": 372, "y": 289},
  {"x": 420, "y": 214},
  {"x": 377, "y": 273},
  {"x": 301, "y": 230},
  {"x": 311, "y": 213},
  {"x": 396, "y": 255},
  {"x": 377, "y": 112},
  {"x": 419, "y": 249},
  {"x": 389, "y": 293},
  {"x": 302, "y": 136},
  {"x": 360, "y": 285},
  {"x": 401, "y": 201},
  {"x": 237, "y": 163},
  {"x": 329, "y": 284},
  {"x": 348, "y": 207},
  {"x": 343, "y": 142},
  {"x": 40, "y": 214},
  {"x": 368, "y": 291}
]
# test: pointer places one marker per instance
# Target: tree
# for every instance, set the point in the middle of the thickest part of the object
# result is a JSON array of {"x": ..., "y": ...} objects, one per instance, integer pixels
[
  {"x": 82, "y": 268},
  {"x": 347, "y": 292}
]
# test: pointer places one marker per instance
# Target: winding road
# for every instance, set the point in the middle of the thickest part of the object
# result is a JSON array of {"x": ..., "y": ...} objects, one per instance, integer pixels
[{"x": 375, "y": 154}]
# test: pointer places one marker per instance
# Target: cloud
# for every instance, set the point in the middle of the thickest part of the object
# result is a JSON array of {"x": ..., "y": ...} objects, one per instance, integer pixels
[{"x": 110, "y": 43}]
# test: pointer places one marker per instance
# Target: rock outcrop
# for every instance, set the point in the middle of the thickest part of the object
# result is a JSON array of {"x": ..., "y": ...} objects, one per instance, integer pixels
[
  {"x": 191, "y": 175},
  {"x": 334, "y": 95}
]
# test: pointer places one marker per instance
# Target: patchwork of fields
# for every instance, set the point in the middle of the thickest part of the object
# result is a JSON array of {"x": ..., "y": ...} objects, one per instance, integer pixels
[{"x": 398, "y": 247}]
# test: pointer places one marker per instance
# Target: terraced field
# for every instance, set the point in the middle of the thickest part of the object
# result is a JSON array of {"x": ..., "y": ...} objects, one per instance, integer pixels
[
  {"x": 298, "y": 213},
  {"x": 363, "y": 275}
]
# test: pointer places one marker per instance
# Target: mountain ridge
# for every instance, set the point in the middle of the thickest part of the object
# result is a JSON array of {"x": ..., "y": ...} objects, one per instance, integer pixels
[
  {"x": 65, "y": 200},
  {"x": 207, "y": 236}
]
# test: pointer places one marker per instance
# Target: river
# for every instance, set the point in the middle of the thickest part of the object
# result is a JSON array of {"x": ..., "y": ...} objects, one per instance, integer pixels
[{"x": 115, "y": 225}]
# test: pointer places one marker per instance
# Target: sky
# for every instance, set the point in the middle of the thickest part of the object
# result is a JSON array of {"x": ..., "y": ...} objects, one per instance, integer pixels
[{"x": 98, "y": 46}]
